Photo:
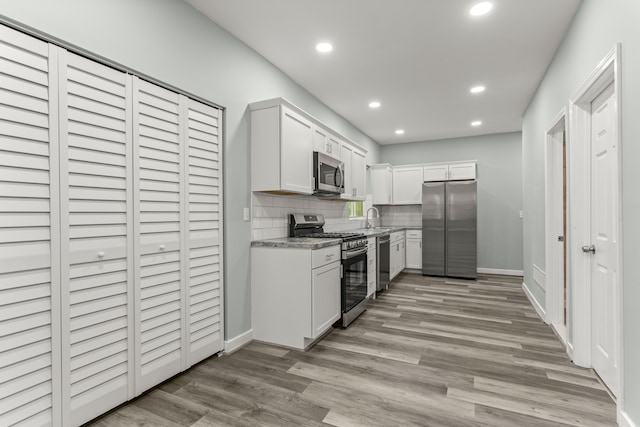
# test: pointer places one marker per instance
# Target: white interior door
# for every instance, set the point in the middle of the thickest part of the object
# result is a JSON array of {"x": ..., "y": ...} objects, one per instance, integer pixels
[
  {"x": 29, "y": 233},
  {"x": 604, "y": 221},
  {"x": 158, "y": 196},
  {"x": 97, "y": 321},
  {"x": 203, "y": 299}
]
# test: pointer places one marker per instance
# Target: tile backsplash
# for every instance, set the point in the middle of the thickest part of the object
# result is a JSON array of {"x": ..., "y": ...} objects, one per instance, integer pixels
[
  {"x": 270, "y": 214},
  {"x": 403, "y": 215}
]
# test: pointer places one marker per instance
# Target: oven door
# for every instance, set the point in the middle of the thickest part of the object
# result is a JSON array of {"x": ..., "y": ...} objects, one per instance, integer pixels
[{"x": 354, "y": 278}]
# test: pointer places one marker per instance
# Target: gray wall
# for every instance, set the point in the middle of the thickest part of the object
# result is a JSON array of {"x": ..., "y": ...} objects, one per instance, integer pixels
[
  {"x": 499, "y": 188},
  {"x": 596, "y": 28},
  {"x": 173, "y": 43}
]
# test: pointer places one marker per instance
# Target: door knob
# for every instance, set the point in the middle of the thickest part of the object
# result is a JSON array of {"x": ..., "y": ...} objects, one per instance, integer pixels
[
  {"x": 163, "y": 247},
  {"x": 589, "y": 249},
  {"x": 101, "y": 254}
]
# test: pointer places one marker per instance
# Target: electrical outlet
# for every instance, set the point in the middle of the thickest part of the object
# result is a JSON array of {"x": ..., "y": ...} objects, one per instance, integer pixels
[{"x": 521, "y": 214}]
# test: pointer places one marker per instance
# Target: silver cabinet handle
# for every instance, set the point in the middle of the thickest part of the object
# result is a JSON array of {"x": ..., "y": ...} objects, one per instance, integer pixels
[
  {"x": 589, "y": 249},
  {"x": 162, "y": 247},
  {"x": 329, "y": 256},
  {"x": 101, "y": 254}
]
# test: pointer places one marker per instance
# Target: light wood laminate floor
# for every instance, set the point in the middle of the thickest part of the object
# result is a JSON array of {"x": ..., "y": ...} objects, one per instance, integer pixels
[{"x": 427, "y": 352}]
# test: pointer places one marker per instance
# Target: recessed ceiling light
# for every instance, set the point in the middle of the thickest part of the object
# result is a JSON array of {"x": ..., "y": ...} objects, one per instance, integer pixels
[
  {"x": 324, "y": 47},
  {"x": 374, "y": 104},
  {"x": 399, "y": 131},
  {"x": 481, "y": 8},
  {"x": 476, "y": 123},
  {"x": 477, "y": 89}
]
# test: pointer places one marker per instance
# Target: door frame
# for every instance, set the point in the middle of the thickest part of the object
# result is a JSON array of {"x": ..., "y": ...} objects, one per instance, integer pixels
[
  {"x": 554, "y": 255},
  {"x": 606, "y": 73}
]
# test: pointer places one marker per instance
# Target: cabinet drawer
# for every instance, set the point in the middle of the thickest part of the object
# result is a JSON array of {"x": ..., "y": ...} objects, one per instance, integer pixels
[
  {"x": 397, "y": 236},
  {"x": 414, "y": 234},
  {"x": 324, "y": 256}
]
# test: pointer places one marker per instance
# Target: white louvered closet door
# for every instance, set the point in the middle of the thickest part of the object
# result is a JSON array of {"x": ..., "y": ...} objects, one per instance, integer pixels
[
  {"x": 159, "y": 225},
  {"x": 204, "y": 322},
  {"x": 97, "y": 261},
  {"x": 29, "y": 227}
]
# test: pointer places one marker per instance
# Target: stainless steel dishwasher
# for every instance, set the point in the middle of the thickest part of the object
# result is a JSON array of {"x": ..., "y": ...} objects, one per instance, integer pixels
[{"x": 383, "y": 243}]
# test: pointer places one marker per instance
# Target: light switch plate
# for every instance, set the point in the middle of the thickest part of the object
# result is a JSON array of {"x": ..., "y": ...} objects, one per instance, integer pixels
[
  {"x": 246, "y": 215},
  {"x": 521, "y": 214}
]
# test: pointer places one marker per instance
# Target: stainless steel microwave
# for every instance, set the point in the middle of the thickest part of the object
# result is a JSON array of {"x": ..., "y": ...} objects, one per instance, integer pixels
[{"x": 328, "y": 174}]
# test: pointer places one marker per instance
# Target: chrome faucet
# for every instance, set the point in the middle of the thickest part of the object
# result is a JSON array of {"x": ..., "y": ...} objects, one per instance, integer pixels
[{"x": 367, "y": 223}]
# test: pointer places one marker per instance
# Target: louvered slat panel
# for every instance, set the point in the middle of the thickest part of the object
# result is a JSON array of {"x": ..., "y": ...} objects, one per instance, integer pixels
[
  {"x": 96, "y": 242},
  {"x": 29, "y": 281},
  {"x": 158, "y": 218},
  {"x": 203, "y": 293}
]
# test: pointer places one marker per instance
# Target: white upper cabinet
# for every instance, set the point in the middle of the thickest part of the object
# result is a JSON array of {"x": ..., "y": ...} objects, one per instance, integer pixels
[
  {"x": 281, "y": 151},
  {"x": 283, "y": 139},
  {"x": 359, "y": 175},
  {"x": 450, "y": 172},
  {"x": 325, "y": 142},
  {"x": 407, "y": 185},
  {"x": 355, "y": 170},
  {"x": 436, "y": 173},
  {"x": 462, "y": 171},
  {"x": 382, "y": 183}
]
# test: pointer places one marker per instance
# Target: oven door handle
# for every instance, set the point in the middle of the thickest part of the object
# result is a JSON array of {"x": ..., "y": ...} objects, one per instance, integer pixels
[{"x": 353, "y": 254}]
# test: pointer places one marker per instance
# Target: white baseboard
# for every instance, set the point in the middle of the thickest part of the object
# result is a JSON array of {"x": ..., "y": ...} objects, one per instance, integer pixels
[
  {"x": 539, "y": 277},
  {"x": 534, "y": 302},
  {"x": 561, "y": 332},
  {"x": 238, "y": 342},
  {"x": 624, "y": 420},
  {"x": 500, "y": 272}
]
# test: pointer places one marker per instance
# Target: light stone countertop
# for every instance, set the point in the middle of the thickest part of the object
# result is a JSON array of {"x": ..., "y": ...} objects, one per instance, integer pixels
[
  {"x": 296, "y": 242},
  {"x": 306, "y": 243}
]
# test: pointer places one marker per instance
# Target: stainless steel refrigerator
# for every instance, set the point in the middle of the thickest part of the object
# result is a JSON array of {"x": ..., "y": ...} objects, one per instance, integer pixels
[{"x": 449, "y": 229}]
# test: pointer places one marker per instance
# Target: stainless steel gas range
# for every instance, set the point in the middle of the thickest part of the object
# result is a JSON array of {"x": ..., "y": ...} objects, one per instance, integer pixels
[{"x": 354, "y": 261}]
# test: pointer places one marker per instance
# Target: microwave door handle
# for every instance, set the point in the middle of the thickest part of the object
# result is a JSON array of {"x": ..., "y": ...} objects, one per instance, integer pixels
[{"x": 338, "y": 177}]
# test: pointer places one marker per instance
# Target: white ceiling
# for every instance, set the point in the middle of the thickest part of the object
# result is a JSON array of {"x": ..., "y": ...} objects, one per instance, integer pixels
[{"x": 419, "y": 58}]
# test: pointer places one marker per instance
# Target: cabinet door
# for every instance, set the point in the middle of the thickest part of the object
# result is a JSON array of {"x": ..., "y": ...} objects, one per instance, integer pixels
[
  {"x": 325, "y": 297},
  {"x": 407, "y": 186},
  {"x": 203, "y": 190},
  {"x": 296, "y": 153},
  {"x": 414, "y": 253},
  {"x": 346, "y": 156},
  {"x": 29, "y": 234},
  {"x": 436, "y": 173},
  {"x": 381, "y": 183},
  {"x": 359, "y": 175},
  {"x": 462, "y": 171},
  {"x": 320, "y": 142},
  {"x": 97, "y": 246},
  {"x": 325, "y": 143},
  {"x": 160, "y": 205},
  {"x": 333, "y": 145}
]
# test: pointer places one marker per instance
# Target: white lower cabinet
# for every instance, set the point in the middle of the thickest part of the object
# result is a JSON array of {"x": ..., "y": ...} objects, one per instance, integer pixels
[
  {"x": 110, "y": 253},
  {"x": 295, "y": 293},
  {"x": 372, "y": 267},
  {"x": 414, "y": 249}
]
